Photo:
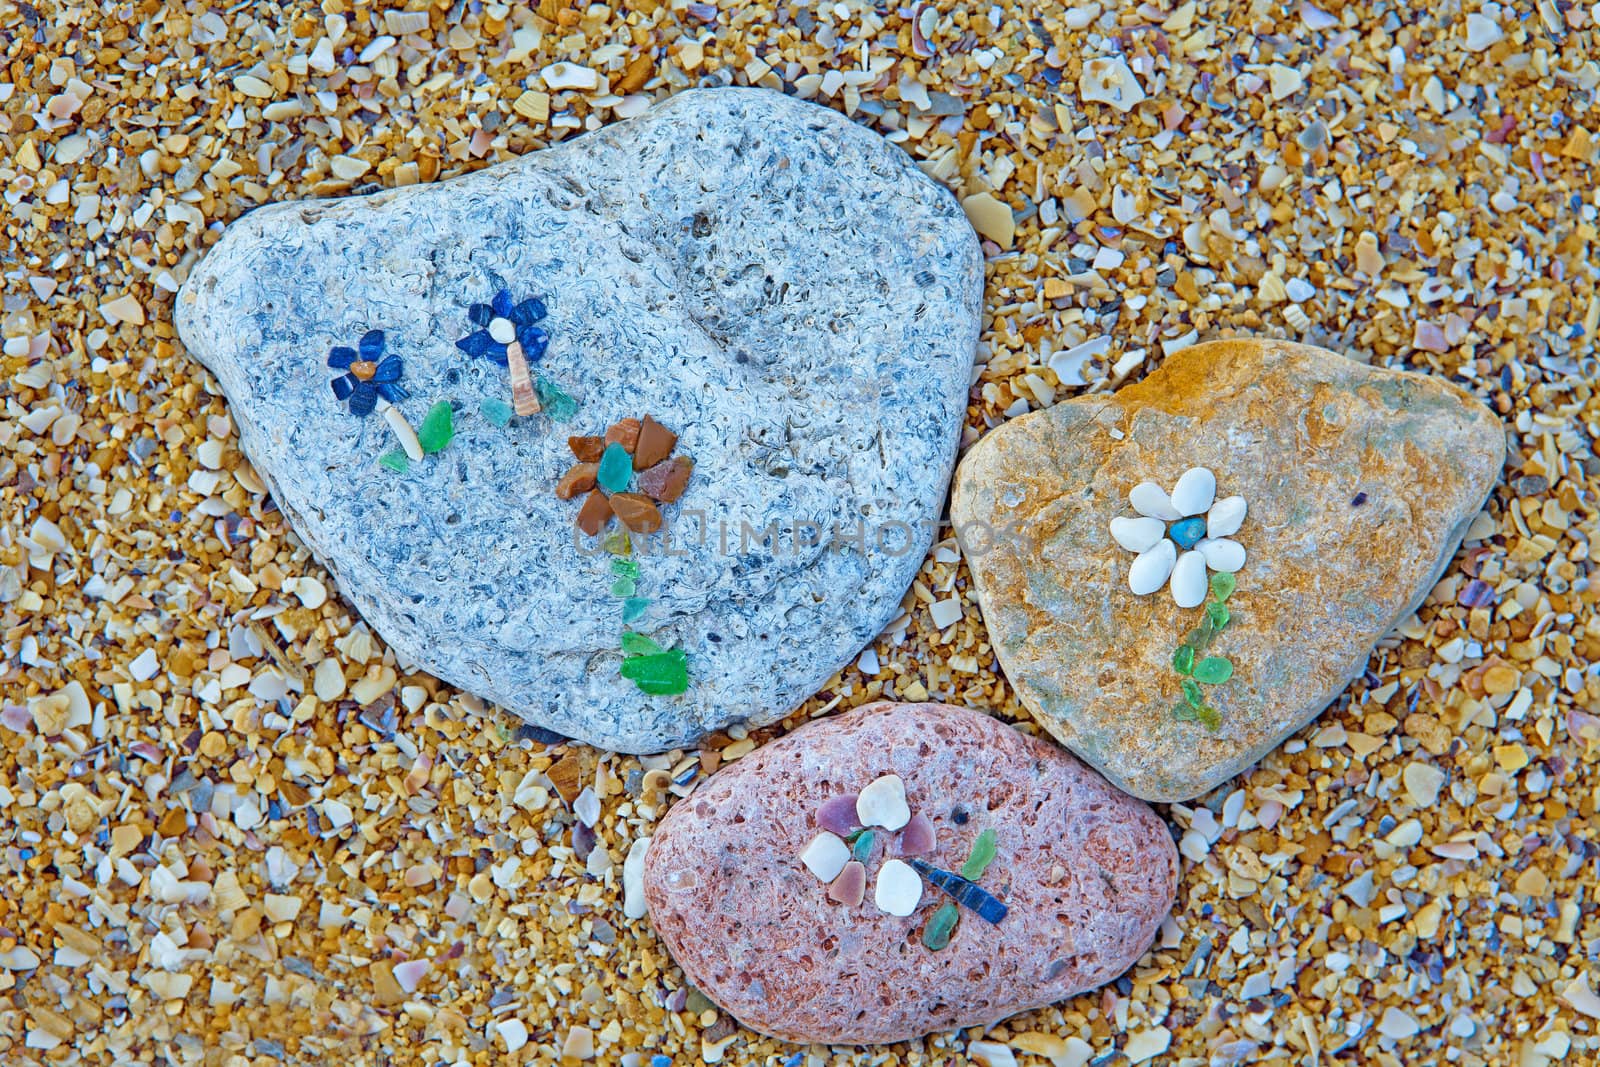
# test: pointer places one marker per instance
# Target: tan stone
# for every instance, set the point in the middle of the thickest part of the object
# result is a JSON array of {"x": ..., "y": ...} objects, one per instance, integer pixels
[{"x": 1360, "y": 481}]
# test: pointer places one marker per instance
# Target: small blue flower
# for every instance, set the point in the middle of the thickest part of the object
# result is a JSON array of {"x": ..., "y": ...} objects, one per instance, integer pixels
[
  {"x": 369, "y": 374},
  {"x": 500, "y": 322}
]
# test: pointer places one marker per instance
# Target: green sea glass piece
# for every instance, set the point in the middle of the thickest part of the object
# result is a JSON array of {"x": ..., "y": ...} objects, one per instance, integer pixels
[
  {"x": 1202, "y": 635},
  {"x": 983, "y": 850},
  {"x": 438, "y": 426},
  {"x": 633, "y": 608},
  {"x": 1209, "y": 717},
  {"x": 1213, "y": 670},
  {"x": 616, "y": 469},
  {"x": 622, "y": 587},
  {"x": 1218, "y": 614},
  {"x": 496, "y": 411},
  {"x": 556, "y": 403},
  {"x": 660, "y": 673},
  {"x": 636, "y": 644},
  {"x": 1223, "y": 585},
  {"x": 618, "y": 544},
  {"x": 625, "y": 568},
  {"x": 862, "y": 849},
  {"x": 1192, "y": 694},
  {"x": 936, "y": 935},
  {"x": 395, "y": 460},
  {"x": 1183, "y": 660},
  {"x": 1184, "y": 713}
]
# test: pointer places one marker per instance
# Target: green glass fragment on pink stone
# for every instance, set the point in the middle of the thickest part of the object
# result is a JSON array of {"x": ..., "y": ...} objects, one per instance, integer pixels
[
  {"x": 982, "y": 854},
  {"x": 437, "y": 428},
  {"x": 661, "y": 674},
  {"x": 936, "y": 935}
]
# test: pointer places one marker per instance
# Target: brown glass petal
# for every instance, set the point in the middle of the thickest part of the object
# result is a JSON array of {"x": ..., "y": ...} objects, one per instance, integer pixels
[
  {"x": 624, "y": 433},
  {"x": 580, "y": 479},
  {"x": 595, "y": 515},
  {"x": 637, "y": 512},
  {"x": 666, "y": 481},
  {"x": 587, "y": 449},
  {"x": 655, "y": 444}
]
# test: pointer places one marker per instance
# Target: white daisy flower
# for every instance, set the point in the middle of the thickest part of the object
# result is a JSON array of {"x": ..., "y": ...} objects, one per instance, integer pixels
[{"x": 1181, "y": 535}]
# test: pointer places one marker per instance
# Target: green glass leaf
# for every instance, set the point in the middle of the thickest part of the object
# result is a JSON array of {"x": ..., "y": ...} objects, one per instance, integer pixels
[
  {"x": 1191, "y": 693},
  {"x": 1209, "y": 717},
  {"x": 622, "y": 587},
  {"x": 1202, "y": 635},
  {"x": 497, "y": 411},
  {"x": 438, "y": 426},
  {"x": 1183, "y": 660},
  {"x": 633, "y": 609},
  {"x": 983, "y": 850},
  {"x": 936, "y": 935},
  {"x": 395, "y": 460},
  {"x": 1184, "y": 713},
  {"x": 659, "y": 674},
  {"x": 618, "y": 544},
  {"x": 625, "y": 568},
  {"x": 861, "y": 851},
  {"x": 556, "y": 403},
  {"x": 1223, "y": 585},
  {"x": 616, "y": 469},
  {"x": 1218, "y": 614},
  {"x": 1213, "y": 670},
  {"x": 635, "y": 644}
]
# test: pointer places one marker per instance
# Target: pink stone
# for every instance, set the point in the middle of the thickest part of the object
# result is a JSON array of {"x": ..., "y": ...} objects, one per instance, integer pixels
[
  {"x": 850, "y": 887},
  {"x": 1428, "y": 337},
  {"x": 917, "y": 839},
  {"x": 1087, "y": 872},
  {"x": 838, "y": 814}
]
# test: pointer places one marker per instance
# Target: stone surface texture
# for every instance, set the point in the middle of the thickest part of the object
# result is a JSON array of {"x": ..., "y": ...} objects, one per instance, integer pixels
[
  {"x": 1361, "y": 482},
  {"x": 1087, "y": 872},
  {"x": 783, "y": 289}
]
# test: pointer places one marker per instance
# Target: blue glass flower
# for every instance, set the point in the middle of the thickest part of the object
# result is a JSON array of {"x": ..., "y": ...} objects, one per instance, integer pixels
[
  {"x": 368, "y": 375},
  {"x": 500, "y": 322}
]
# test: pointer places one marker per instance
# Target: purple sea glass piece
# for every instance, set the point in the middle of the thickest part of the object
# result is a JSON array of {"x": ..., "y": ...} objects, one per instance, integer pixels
[
  {"x": 838, "y": 814},
  {"x": 917, "y": 838}
]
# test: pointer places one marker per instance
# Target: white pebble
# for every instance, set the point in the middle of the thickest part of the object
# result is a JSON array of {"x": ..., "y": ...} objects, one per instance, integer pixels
[
  {"x": 1137, "y": 535},
  {"x": 1226, "y": 516},
  {"x": 883, "y": 803},
  {"x": 1189, "y": 580},
  {"x": 502, "y": 330},
  {"x": 826, "y": 856},
  {"x": 1222, "y": 554},
  {"x": 1151, "y": 570},
  {"x": 899, "y": 888},
  {"x": 633, "y": 906},
  {"x": 1150, "y": 499},
  {"x": 1195, "y": 491}
]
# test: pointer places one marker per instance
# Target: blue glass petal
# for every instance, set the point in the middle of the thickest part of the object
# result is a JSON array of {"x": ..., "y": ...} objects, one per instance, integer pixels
[
  {"x": 477, "y": 343},
  {"x": 534, "y": 342},
  {"x": 372, "y": 344},
  {"x": 502, "y": 304},
  {"x": 480, "y": 314},
  {"x": 364, "y": 399},
  {"x": 388, "y": 371},
  {"x": 528, "y": 312},
  {"x": 341, "y": 356},
  {"x": 343, "y": 385},
  {"x": 497, "y": 353},
  {"x": 392, "y": 392}
]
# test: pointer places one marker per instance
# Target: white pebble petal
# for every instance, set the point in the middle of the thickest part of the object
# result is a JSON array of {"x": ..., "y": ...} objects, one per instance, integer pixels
[
  {"x": 899, "y": 888},
  {"x": 1150, "y": 499},
  {"x": 1149, "y": 572},
  {"x": 826, "y": 856},
  {"x": 1137, "y": 535},
  {"x": 1195, "y": 491},
  {"x": 1226, "y": 516},
  {"x": 502, "y": 330},
  {"x": 1221, "y": 554},
  {"x": 883, "y": 803},
  {"x": 1189, "y": 580}
]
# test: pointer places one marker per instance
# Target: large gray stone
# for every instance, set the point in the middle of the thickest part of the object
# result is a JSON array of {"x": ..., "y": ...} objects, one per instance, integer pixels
[{"x": 783, "y": 288}]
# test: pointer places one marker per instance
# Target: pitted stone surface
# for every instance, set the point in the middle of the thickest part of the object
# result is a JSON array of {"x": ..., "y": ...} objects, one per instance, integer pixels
[
  {"x": 784, "y": 289},
  {"x": 1087, "y": 873}
]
